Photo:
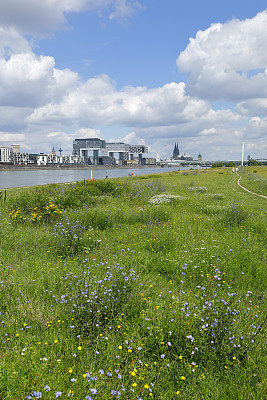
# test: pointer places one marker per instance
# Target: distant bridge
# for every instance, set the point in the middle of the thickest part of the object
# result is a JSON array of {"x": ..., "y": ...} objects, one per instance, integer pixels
[{"x": 181, "y": 163}]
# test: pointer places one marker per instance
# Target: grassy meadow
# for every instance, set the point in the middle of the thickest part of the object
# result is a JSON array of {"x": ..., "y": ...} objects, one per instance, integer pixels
[{"x": 149, "y": 287}]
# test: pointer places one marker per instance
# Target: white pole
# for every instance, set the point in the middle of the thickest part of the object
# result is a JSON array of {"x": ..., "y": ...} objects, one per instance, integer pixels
[
  {"x": 91, "y": 174},
  {"x": 242, "y": 161}
]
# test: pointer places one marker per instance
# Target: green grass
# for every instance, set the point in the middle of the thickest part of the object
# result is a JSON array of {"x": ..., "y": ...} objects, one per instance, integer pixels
[
  {"x": 254, "y": 179},
  {"x": 135, "y": 288}
]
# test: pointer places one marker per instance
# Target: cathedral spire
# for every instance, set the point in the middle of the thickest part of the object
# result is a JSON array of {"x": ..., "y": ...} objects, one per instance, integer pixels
[{"x": 176, "y": 150}]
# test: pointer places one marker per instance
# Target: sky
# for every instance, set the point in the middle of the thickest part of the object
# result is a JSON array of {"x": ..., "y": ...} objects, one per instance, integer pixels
[{"x": 151, "y": 72}]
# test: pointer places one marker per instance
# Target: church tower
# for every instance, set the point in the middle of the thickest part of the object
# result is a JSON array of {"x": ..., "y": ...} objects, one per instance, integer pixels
[{"x": 176, "y": 152}]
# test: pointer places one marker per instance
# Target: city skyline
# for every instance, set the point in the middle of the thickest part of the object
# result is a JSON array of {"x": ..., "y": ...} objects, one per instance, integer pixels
[{"x": 142, "y": 72}]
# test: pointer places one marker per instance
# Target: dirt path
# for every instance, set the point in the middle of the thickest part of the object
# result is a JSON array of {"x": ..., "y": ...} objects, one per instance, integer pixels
[{"x": 256, "y": 194}]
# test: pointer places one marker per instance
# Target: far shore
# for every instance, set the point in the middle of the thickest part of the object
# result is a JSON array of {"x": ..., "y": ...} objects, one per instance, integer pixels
[{"x": 9, "y": 167}]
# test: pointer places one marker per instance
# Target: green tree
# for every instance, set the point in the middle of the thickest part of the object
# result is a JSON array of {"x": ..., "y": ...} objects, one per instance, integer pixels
[
  {"x": 254, "y": 162},
  {"x": 230, "y": 164}
]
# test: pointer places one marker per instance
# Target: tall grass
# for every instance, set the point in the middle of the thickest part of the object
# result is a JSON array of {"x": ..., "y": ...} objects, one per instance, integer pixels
[{"x": 134, "y": 289}]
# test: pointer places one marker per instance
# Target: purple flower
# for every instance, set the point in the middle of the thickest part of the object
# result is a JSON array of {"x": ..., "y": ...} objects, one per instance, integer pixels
[
  {"x": 58, "y": 394},
  {"x": 47, "y": 388},
  {"x": 94, "y": 391},
  {"x": 38, "y": 395}
]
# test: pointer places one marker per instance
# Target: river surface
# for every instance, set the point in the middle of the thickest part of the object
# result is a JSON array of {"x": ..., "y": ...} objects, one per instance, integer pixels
[{"x": 35, "y": 177}]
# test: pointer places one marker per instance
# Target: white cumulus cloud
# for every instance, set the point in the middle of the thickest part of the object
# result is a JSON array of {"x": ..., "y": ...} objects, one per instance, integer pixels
[
  {"x": 28, "y": 80},
  {"x": 11, "y": 137},
  {"x": 37, "y": 17},
  {"x": 228, "y": 61},
  {"x": 98, "y": 102}
]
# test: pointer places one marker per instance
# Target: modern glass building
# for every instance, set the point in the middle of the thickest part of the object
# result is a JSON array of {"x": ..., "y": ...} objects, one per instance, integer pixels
[{"x": 97, "y": 151}]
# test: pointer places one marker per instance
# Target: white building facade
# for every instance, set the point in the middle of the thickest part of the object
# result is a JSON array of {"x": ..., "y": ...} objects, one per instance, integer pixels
[{"x": 6, "y": 155}]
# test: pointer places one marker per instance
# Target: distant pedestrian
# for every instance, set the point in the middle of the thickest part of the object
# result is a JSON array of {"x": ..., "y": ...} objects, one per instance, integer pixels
[
  {"x": 236, "y": 170},
  {"x": 233, "y": 170},
  {"x": 106, "y": 175}
]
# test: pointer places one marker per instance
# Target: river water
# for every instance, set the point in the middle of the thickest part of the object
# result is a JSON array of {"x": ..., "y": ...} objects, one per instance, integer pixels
[{"x": 35, "y": 177}]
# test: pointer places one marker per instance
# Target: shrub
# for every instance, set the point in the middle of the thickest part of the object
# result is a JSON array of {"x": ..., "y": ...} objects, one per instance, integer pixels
[
  {"x": 234, "y": 215},
  {"x": 145, "y": 190},
  {"x": 200, "y": 189},
  {"x": 71, "y": 238},
  {"x": 165, "y": 198}
]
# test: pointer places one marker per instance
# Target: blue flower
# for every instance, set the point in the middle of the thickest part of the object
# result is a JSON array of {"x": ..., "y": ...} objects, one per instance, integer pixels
[{"x": 38, "y": 395}]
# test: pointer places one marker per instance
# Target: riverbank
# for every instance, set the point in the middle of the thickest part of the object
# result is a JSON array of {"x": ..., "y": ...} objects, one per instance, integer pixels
[{"x": 5, "y": 167}]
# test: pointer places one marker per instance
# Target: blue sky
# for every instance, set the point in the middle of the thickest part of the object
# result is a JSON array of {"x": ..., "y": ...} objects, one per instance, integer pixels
[{"x": 147, "y": 71}]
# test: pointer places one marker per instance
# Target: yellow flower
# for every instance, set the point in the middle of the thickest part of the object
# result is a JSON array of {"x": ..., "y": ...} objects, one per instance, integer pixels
[
  {"x": 56, "y": 341},
  {"x": 182, "y": 377},
  {"x": 70, "y": 370},
  {"x": 146, "y": 386},
  {"x": 120, "y": 347},
  {"x": 79, "y": 347},
  {"x": 234, "y": 358},
  {"x": 178, "y": 392},
  {"x": 134, "y": 384}
]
